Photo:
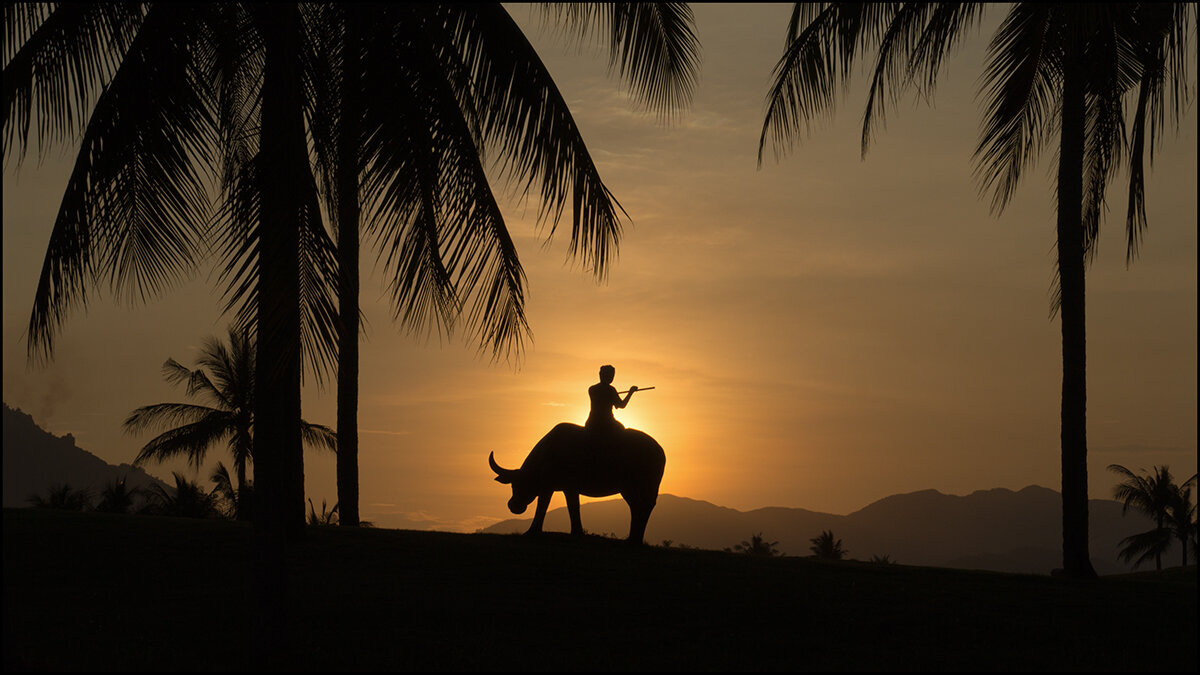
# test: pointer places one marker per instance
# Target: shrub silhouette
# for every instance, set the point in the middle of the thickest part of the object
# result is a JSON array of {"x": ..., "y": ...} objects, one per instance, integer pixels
[{"x": 826, "y": 547}]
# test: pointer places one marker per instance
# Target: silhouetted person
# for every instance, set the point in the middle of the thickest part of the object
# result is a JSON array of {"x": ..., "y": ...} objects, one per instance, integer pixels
[{"x": 604, "y": 398}]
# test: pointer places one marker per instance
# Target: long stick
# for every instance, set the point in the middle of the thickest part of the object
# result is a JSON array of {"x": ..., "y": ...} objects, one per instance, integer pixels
[{"x": 639, "y": 389}]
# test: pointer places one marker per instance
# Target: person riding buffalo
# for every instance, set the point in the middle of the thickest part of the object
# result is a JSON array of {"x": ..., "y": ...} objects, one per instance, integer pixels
[{"x": 604, "y": 398}]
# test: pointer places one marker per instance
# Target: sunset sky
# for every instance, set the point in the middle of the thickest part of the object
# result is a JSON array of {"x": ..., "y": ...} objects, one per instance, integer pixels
[{"x": 821, "y": 332}]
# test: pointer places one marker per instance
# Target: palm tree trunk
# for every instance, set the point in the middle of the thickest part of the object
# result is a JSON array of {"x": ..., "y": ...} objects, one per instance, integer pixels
[
  {"x": 348, "y": 214},
  {"x": 1076, "y": 562},
  {"x": 277, "y": 376},
  {"x": 1158, "y": 554}
]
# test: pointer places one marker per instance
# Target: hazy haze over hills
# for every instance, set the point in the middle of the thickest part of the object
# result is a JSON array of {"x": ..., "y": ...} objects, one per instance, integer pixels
[{"x": 996, "y": 529}]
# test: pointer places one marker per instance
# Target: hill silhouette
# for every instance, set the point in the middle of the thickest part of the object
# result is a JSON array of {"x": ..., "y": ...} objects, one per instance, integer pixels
[
  {"x": 35, "y": 459},
  {"x": 1000, "y": 530}
]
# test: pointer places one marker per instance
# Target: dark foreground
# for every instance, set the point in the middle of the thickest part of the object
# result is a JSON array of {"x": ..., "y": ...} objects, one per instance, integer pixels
[{"x": 98, "y": 592}]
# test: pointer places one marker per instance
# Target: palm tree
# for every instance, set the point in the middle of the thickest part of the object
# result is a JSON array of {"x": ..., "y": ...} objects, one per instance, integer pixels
[
  {"x": 1182, "y": 517},
  {"x": 224, "y": 381},
  {"x": 758, "y": 546},
  {"x": 117, "y": 497},
  {"x": 63, "y": 497},
  {"x": 826, "y": 547},
  {"x": 1152, "y": 494},
  {"x": 186, "y": 500},
  {"x": 1053, "y": 69},
  {"x": 407, "y": 99},
  {"x": 327, "y": 516},
  {"x": 237, "y": 502}
]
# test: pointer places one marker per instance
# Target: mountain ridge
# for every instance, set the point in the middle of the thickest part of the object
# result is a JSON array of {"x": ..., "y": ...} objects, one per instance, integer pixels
[
  {"x": 34, "y": 460},
  {"x": 994, "y": 529}
]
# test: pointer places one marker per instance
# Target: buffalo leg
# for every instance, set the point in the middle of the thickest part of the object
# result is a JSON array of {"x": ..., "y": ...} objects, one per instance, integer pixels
[
  {"x": 539, "y": 515},
  {"x": 639, "y": 516},
  {"x": 573, "y": 510}
]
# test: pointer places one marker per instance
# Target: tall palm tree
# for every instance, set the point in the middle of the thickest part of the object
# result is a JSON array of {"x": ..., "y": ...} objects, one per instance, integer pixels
[
  {"x": 1152, "y": 494},
  {"x": 1052, "y": 69},
  {"x": 224, "y": 381},
  {"x": 408, "y": 99}
]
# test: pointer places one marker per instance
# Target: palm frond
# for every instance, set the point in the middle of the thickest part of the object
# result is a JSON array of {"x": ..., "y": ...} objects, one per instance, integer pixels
[
  {"x": 191, "y": 440},
  {"x": 436, "y": 221},
  {"x": 134, "y": 200},
  {"x": 1021, "y": 98},
  {"x": 527, "y": 120},
  {"x": 651, "y": 44},
  {"x": 63, "y": 60},
  {"x": 318, "y": 436}
]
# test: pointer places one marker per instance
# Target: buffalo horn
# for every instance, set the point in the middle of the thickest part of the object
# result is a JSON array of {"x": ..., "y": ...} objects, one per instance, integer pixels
[{"x": 504, "y": 474}]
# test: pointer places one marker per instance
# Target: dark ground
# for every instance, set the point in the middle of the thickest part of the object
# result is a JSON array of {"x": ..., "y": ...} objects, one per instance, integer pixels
[{"x": 90, "y": 591}]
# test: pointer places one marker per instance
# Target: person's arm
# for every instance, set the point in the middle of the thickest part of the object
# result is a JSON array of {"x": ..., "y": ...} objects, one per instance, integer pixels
[{"x": 618, "y": 403}]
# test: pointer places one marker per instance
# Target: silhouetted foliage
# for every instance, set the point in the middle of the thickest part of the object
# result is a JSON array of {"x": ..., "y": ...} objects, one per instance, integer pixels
[
  {"x": 187, "y": 500},
  {"x": 236, "y": 503},
  {"x": 1057, "y": 76},
  {"x": 884, "y": 559},
  {"x": 1154, "y": 494},
  {"x": 63, "y": 496},
  {"x": 223, "y": 381},
  {"x": 117, "y": 497},
  {"x": 826, "y": 547},
  {"x": 328, "y": 516},
  {"x": 757, "y": 545},
  {"x": 1182, "y": 517}
]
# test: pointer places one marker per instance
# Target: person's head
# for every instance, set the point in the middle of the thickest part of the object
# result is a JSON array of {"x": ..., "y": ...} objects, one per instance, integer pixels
[{"x": 607, "y": 373}]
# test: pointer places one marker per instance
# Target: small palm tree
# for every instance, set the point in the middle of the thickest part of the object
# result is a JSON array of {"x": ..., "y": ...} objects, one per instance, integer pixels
[
  {"x": 327, "y": 516},
  {"x": 758, "y": 545},
  {"x": 884, "y": 559},
  {"x": 187, "y": 500},
  {"x": 117, "y": 497},
  {"x": 826, "y": 547},
  {"x": 224, "y": 381},
  {"x": 1152, "y": 494},
  {"x": 62, "y": 496},
  {"x": 237, "y": 503}
]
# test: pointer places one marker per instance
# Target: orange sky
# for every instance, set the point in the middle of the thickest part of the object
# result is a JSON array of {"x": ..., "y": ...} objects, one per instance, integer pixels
[{"x": 821, "y": 333}]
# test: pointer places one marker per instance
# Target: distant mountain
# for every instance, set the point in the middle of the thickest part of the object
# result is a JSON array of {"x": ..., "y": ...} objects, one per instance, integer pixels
[
  {"x": 998, "y": 529},
  {"x": 35, "y": 459}
]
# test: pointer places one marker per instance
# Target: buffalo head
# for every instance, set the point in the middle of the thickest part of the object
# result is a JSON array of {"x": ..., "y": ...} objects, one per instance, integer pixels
[{"x": 522, "y": 494}]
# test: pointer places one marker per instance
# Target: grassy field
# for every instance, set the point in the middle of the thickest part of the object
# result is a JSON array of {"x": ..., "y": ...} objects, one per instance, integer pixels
[{"x": 90, "y": 591}]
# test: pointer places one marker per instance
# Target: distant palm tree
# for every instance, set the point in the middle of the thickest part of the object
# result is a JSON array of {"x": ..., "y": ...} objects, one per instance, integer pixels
[
  {"x": 1153, "y": 495},
  {"x": 223, "y": 380},
  {"x": 117, "y": 497},
  {"x": 758, "y": 546},
  {"x": 884, "y": 559},
  {"x": 187, "y": 500},
  {"x": 63, "y": 496},
  {"x": 1054, "y": 70},
  {"x": 826, "y": 547},
  {"x": 1182, "y": 517}
]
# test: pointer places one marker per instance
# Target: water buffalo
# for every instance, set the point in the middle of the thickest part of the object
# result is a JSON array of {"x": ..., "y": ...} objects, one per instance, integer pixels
[{"x": 627, "y": 462}]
